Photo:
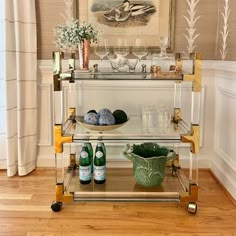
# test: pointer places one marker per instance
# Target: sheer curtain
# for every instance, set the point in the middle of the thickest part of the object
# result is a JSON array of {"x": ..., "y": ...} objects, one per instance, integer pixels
[{"x": 18, "y": 86}]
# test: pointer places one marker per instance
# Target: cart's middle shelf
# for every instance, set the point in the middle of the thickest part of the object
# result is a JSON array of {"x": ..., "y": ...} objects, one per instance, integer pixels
[{"x": 132, "y": 130}]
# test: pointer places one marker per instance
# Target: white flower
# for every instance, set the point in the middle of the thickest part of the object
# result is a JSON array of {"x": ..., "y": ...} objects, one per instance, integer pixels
[{"x": 70, "y": 34}]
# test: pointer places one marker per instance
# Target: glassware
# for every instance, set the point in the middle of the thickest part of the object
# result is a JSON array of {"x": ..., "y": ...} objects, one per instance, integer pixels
[
  {"x": 84, "y": 165},
  {"x": 163, "y": 60},
  {"x": 114, "y": 64},
  {"x": 163, "y": 45},
  {"x": 102, "y": 49},
  {"x": 148, "y": 116},
  {"x": 121, "y": 49},
  {"x": 99, "y": 165},
  {"x": 163, "y": 118},
  {"x": 114, "y": 61},
  {"x": 132, "y": 64},
  {"x": 140, "y": 49},
  {"x": 155, "y": 117}
]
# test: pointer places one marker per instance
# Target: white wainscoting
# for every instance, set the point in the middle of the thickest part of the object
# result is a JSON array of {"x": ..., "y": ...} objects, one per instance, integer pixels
[
  {"x": 224, "y": 162},
  {"x": 45, "y": 115}
]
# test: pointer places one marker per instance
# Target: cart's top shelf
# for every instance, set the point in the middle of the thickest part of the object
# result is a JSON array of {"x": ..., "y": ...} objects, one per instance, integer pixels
[
  {"x": 130, "y": 131},
  {"x": 175, "y": 70},
  {"x": 110, "y": 75}
]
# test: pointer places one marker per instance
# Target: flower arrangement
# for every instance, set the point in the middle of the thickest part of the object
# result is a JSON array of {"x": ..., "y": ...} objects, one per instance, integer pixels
[{"x": 70, "y": 34}]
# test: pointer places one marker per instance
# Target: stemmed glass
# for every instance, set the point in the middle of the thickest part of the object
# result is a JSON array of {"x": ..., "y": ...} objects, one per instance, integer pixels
[
  {"x": 140, "y": 50},
  {"x": 102, "y": 49},
  {"x": 121, "y": 49}
]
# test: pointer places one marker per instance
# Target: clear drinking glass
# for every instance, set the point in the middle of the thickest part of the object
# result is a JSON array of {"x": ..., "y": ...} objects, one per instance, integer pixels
[
  {"x": 163, "y": 118},
  {"x": 155, "y": 117},
  {"x": 132, "y": 64},
  {"x": 140, "y": 49},
  {"x": 149, "y": 116},
  {"x": 121, "y": 49},
  {"x": 114, "y": 61},
  {"x": 102, "y": 49},
  {"x": 115, "y": 64}
]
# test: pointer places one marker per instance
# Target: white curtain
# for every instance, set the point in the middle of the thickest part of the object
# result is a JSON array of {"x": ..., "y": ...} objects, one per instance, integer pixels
[{"x": 18, "y": 86}]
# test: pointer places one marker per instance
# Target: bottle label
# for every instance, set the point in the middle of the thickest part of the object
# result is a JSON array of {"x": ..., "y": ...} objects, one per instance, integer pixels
[
  {"x": 85, "y": 173},
  {"x": 99, "y": 154},
  {"x": 99, "y": 172},
  {"x": 84, "y": 154}
]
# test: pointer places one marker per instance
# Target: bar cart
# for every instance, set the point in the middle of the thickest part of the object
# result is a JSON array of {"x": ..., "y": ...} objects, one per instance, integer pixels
[{"x": 120, "y": 185}]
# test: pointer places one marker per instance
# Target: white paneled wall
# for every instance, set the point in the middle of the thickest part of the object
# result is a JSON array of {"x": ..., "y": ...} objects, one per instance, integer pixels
[
  {"x": 45, "y": 114},
  {"x": 224, "y": 163}
]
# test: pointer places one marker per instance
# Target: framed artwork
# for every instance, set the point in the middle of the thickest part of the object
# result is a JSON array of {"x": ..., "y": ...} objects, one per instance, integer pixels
[{"x": 130, "y": 19}]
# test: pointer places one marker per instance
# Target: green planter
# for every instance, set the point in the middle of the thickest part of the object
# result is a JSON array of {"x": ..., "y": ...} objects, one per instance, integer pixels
[{"x": 149, "y": 161}]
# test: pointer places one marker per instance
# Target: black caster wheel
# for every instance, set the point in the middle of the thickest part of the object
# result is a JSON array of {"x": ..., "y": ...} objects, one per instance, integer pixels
[
  {"x": 56, "y": 206},
  {"x": 192, "y": 207}
]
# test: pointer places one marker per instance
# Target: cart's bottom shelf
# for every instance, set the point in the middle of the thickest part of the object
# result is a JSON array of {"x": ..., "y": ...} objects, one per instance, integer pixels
[{"x": 120, "y": 185}]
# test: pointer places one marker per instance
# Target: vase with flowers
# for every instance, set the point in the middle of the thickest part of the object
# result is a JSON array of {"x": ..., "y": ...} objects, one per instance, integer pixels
[{"x": 74, "y": 35}]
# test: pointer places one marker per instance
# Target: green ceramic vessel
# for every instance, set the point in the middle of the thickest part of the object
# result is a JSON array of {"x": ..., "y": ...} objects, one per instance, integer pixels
[{"x": 149, "y": 161}]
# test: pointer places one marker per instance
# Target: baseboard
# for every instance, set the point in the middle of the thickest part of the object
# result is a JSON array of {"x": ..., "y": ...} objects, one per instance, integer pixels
[
  {"x": 227, "y": 193},
  {"x": 3, "y": 164},
  {"x": 225, "y": 175}
]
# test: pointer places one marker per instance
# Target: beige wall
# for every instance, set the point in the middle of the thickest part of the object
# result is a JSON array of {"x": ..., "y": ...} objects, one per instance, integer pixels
[
  {"x": 48, "y": 16},
  {"x": 208, "y": 27}
]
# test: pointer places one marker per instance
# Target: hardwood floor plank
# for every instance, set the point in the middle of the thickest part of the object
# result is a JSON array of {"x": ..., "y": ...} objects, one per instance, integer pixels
[
  {"x": 25, "y": 210},
  {"x": 15, "y": 196}
]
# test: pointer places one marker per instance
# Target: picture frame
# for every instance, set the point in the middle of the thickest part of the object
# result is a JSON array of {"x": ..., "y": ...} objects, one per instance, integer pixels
[{"x": 155, "y": 20}]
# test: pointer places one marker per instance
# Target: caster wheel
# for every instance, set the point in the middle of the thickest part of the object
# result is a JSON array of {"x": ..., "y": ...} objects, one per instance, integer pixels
[
  {"x": 192, "y": 207},
  {"x": 56, "y": 206}
]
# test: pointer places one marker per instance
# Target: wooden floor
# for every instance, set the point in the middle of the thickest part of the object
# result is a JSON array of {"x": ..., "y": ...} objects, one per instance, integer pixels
[{"x": 25, "y": 210}]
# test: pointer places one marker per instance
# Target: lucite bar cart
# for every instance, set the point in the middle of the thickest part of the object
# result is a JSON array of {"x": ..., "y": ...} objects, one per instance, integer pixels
[{"x": 120, "y": 184}]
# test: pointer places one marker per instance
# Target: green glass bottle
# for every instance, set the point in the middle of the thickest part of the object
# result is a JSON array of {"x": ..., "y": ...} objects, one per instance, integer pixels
[
  {"x": 90, "y": 149},
  {"x": 99, "y": 165},
  {"x": 84, "y": 165},
  {"x": 103, "y": 147}
]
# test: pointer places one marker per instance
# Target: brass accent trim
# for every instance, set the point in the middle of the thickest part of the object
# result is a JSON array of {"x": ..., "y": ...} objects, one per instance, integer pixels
[
  {"x": 198, "y": 74},
  {"x": 71, "y": 61},
  {"x": 56, "y": 70},
  {"x": 72, "y": 115},
  {"x": 72, "y": 164},
  {"x": 72, "y": 111},
  {"x": 194, "y": 139},
  {"x": 188, "y": 77},
  {"x": 196, "y": 77},
  {"x": 177, "y": 115},
  {"x": 192, "y": 196},
  {"x": 178, "y": 61},
  {"x": 175, "y": 162},
  {"x": 61, "y": 196},
  {"x": 59, "y": 139}
]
